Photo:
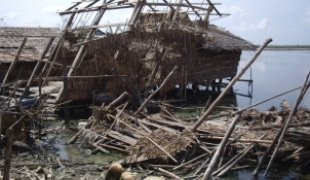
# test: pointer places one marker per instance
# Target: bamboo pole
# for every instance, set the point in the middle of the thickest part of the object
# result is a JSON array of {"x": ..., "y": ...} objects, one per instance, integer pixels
[
  {"x": 175, "y": 15},
  {"x": 157, "y": 90},
  {"x": 267, "y": 100},
  {"x": 13, "y": 63},
  {"x": 219, "y": 151},
  {"x": 80, "y": 55},
  {"x": 55, "y": 52},
  {"x": 38, "y": 65},
  {"x": 238, "y": 158},
  {"x": 117, "y": 100},
  {"x": 227, "y": 89},
  {"x": 170, "y": 174},
  {"x": 293, "y": 111}
]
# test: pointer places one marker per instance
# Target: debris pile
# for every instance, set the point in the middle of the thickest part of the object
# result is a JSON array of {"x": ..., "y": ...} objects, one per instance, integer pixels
[{"x": 153, "y": 141}]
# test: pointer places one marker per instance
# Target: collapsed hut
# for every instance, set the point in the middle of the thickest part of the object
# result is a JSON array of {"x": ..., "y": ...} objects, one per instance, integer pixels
[
  {"x": 135, "y": 56},
  {"x": 162, "y": 49},
  {"x": 140, "y": 56}
]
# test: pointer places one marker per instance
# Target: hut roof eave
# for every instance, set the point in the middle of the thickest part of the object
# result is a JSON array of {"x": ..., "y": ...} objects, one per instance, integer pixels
[{"x": 37, "y": 39}]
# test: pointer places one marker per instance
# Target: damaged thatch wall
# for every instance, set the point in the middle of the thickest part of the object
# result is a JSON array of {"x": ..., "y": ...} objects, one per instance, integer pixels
[
  {"x": 200, "y": 55},
  {"x": 136, "y": 54}
]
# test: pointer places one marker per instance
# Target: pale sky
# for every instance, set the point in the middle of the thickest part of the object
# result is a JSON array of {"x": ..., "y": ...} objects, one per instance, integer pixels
[{"x": 286, "y": 22}]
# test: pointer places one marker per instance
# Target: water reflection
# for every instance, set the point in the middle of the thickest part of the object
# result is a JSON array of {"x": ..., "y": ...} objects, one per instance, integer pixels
[{"x": 273, "y": 72}]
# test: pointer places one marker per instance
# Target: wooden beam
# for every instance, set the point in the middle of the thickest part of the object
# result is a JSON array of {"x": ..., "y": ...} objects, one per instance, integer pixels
[{"x": 13, "y": 63}]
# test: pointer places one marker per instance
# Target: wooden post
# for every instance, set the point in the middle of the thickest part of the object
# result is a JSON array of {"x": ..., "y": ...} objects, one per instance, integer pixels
[
  {"x": 13, "y": 63},
  {"x": 221, "y": 96},
  {"x": 38, "y": 65},
  {"x": 8, "y": 154},
  {"x": 66, "y": 89},
  {"x": 40, "y": 114}
]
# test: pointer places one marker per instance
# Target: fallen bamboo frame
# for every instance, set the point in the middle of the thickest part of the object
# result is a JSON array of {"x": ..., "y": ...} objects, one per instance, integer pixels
[{"x": 234, "y": 80}]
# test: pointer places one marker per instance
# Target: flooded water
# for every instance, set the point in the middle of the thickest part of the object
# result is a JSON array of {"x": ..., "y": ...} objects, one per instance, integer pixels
[{"x": 273, "y": 72}]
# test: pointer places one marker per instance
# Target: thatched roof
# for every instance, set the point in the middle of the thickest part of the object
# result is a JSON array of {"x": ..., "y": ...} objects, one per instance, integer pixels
[
  {"x": 217, "y": 39},
  {"x": 37, "y": 39}
]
